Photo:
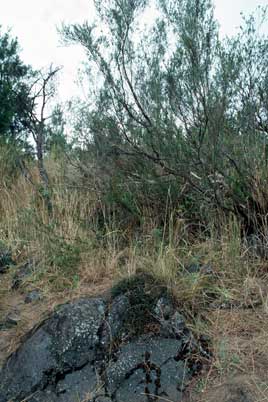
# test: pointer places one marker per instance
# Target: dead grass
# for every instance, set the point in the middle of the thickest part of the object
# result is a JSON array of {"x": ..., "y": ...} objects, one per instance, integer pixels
[
  {"x": 75, "y": 259},
  {"x": 240, "y": 357}
]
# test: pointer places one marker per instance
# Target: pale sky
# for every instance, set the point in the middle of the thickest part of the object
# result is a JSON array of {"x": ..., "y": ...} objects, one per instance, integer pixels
[{"x": 34, "y": 22}]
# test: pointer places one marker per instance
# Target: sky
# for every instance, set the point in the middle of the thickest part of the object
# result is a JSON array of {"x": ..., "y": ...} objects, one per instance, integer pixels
[{"x": 35, "y": 24}]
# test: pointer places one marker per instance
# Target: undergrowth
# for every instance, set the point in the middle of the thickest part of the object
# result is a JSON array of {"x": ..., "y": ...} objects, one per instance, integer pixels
[
  {"x": 214, "y": 276},
  {"x": 82, "y": 242}
]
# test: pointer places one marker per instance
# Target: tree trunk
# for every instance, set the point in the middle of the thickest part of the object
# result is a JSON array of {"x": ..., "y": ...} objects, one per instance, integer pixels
[{"x": 45, "y": 190}]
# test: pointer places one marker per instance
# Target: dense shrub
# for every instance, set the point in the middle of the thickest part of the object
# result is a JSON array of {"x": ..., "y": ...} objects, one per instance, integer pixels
[{"x": 178, "y": 113}]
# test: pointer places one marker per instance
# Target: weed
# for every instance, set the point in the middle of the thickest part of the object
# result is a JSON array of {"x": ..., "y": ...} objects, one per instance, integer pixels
[{"x": 143, "y": 291}]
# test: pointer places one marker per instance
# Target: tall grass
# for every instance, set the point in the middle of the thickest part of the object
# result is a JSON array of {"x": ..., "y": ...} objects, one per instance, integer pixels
[
  {"x": 84, "y": 246},
  {"x": 81, "y": 242}
]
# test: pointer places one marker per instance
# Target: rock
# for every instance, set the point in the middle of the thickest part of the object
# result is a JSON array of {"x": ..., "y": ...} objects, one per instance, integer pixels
[
  {"x": 114, "y": 323},
  {"x": 78, "y": 384},
  {"x": 176, "y": 325},
  {"x": 64, "y": 343},
  {"x": 48, "y": 395},
  {"x": 11, "y": 320},
  {"x": 5, "y": 259},
  {"x": 164, "y": 309},
  {"x": 22, "y": 274},
  {"x": 29, "y": 367},
  {"x": 141, "y": 369},
  {"x": 171, "y": 321},
  {"x": 33, "y": 296},
  {"x": 80, "y": 353}
]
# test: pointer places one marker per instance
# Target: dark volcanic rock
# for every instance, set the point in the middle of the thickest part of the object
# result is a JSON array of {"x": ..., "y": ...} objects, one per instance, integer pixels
[
  {"x": 64, "y": 343},
  {"x": 29, "y": 367},
  {"x": 172, "y": 322},
  {"x": 48, "y": 395},
  {"x": 11, "y": 320},
  {"x": 22, "y": 274},
  {"x": 115, "y": 320},
  {"x": 76, "y": 386},
  {"x": 147, "y": 366},
  {"x": 80, "y": 354},
  {"x": 33, "y": 296}
]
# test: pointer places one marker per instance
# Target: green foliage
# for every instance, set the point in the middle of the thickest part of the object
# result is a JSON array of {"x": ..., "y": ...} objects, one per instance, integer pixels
[
  {"x": 13, "y": 89},
  {"x": 14, "y": 102},
  {"x": 56, "y": 141},
  {"x": 63, "y": 255},
  {"x": 178, "y": 107},
  {"x": 10, "y": 159}
]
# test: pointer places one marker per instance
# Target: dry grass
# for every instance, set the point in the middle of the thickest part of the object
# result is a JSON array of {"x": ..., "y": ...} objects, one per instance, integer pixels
[
  {"x": 71, "y": 252},
  {"x": 240, "y": 348},
  {"x": 75, "y": 259}
]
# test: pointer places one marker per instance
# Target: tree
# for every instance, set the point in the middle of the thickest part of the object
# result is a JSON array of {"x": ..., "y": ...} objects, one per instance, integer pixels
[
  {"x": 178, "y": 105},
  {"x": 25, "y": 97},
  {"x": 13, "y": 89},
  {"x": 41, "y": 92}
]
